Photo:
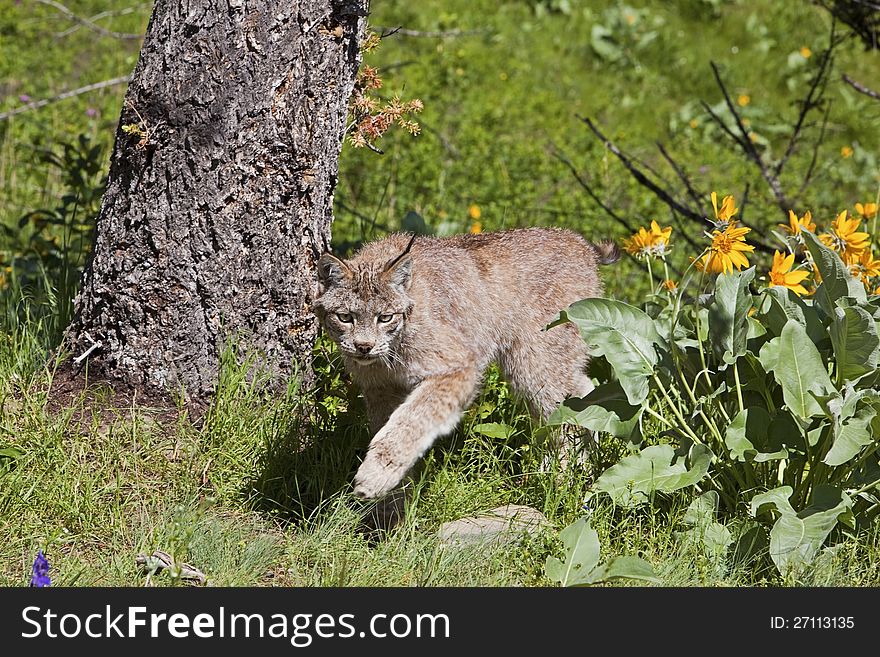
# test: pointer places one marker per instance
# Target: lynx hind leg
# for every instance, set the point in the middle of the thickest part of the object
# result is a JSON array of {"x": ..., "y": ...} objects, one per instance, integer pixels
[{"x": 547, "y": 369}]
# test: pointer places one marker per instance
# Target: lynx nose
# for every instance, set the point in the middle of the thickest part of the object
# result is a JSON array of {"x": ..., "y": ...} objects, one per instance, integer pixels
[{"x": 363, "y": 347}]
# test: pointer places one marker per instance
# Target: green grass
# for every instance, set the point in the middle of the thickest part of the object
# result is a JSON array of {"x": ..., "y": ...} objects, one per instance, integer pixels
[
  {"x": 251, "y": 497},
  {"x": 253, "y": 494}
]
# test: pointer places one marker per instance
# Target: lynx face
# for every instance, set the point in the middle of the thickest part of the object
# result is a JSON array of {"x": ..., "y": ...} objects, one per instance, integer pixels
[{"x": 365, "y": 309}]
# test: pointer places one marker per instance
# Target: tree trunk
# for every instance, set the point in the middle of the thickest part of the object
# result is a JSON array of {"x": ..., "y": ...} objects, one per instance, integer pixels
[{"x": 220, "y": 188}]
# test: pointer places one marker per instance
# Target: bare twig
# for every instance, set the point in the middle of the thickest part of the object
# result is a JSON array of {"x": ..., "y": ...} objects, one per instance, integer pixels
[
  {"x": 85, "y": 22},
  {"x": 809, "y": 175},
  {"x": 444, "y": 34},
  {"x": 67, "y": 94},
  {"x": 587, "y": 188},
  {"x": 640, "y": 176},
  {"x": 747, "y": 145},
  {"x": 99, "y": 16},
  {"x": 861, "y": 88},
  {"x": 810, "y": 102},
  {"x": 659, "y": 192},
  {"x": 683, "y": 177}
]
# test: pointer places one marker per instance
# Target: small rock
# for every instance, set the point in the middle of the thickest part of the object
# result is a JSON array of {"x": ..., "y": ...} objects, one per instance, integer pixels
[{"x": 504, "y": 524}]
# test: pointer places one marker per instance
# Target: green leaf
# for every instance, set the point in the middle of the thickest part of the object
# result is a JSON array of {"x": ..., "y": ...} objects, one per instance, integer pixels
[
  {"x": 605, "y": 409},
  {"x": 624, "y": 568},
  {"x": 853, "y": 434},
  {"x": 728, "y": 314},
  {"x": 837, "y": 280},
  {"x": 747, "y": 437},
  {"x": 798, "y": 368},
  {"x": 494, "y": 430},
  {"x": 781, "y": 305},
  {"x": 655, "y": 469},
  {"x": 581, "y": 545},
  {"x": 711, "y": 537},
  {"x": 796, "y": 538},
  {"x": 624, "y": 335},
  {"x": 856, "y": 343}
]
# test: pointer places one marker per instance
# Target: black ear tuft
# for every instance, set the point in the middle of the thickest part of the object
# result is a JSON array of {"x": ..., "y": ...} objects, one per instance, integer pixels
[
  {"x": 331, "y": 270},
  {"x": 399, "y": 270}
]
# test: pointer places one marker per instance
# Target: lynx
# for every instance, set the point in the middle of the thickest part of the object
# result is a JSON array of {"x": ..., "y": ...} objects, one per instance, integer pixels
[{"x": 418, "y": 320}]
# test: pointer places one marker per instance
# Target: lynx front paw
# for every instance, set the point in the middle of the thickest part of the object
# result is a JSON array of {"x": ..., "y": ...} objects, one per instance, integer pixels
[{"x": 378, "y": 475}]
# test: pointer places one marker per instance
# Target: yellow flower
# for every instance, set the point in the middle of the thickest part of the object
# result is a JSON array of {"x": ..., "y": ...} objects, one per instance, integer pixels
[
  {"x": 781, "y": 274},
  {"x": 863, "y": 265},
  {"x": 843, "y": 237},
  {"x": 644, "y": 242},
  {"x": 727, "y": 251},
  {"x": 867, "y": 210},
  {"x": 743, "y": 100},
  {"x": 795, "y": 225},
  {"x": 670, "y": 285},
  {"x": 693, "y": 123},
  {"x": 728, "y": 208},
  {"x": 474, "y": 212},
  {"x": 846, "y": 151},
  {"x": 806, "y": 53},
  {"x": 476, "y": 228}
]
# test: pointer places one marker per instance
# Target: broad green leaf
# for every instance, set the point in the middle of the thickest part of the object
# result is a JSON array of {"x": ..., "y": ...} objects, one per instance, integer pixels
[
  {"x": 778, "y": 497},
  {"x": 781, "y": 304},
  {"x": 837, "y": 280},
  {"x": 796, "y": 365},
  {"x": 494, "y": 430},
  {"x": 728, "y": 314},
  {"x": 711, "y": 537},
  {"x": 624, "y": 568},
  {"x": 854, "y": 434},
  {"x": 796, "y": 538},
  {"x": 702, "y": 508},
  {"x": 856, "y": 343},
  {"x": 581, "y": 545},
  {"x": 655, "y": 469},
  {"x": 747, "y": 437},
  {"x": 624, "y": 335},
  {"x": 605, "y": 409}
]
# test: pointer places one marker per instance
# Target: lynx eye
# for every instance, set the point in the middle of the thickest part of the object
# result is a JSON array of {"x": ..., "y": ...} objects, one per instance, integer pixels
[
  {"x": 345, "y": 318},
  {"x": 384, "y": 319}
]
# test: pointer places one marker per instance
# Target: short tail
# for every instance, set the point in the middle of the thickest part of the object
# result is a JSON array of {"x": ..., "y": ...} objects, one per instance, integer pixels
[{"x": 606, "y": 251}]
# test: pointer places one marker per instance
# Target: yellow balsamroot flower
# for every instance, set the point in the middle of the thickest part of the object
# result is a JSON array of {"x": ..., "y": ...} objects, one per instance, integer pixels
[
  {"x": 843, "y": 237},
  {"x": 781, "y": 274},
  {"x": 867, "y": 210},
  {"x": 727, "y": 251},
  {"x": 654, "y": 242},
  {"x": 795, "y": 225},
  {"x": 863, "y": 265},
  {"x": 728, "y": 208},
  {"x": 806, "y": 53},
  {"x": 846, "y": 151},
  {"x": 476, "y": 228},
  {"x": 474, "y": 212},
  {"x": 670, "y": 285},
  {"x": 743, "y": 100}
]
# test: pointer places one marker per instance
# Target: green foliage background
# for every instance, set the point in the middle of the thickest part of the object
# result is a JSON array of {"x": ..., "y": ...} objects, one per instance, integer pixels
[{"x": 502, "y": 92}]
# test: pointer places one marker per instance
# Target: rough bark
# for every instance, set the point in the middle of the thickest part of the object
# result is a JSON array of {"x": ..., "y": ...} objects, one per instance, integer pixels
[{"x": 218, "y": 196}]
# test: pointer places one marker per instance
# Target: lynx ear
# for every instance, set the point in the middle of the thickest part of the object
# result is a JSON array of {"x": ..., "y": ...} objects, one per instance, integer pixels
[
  {"x": 332, "y": 271},
  {"x": 398, "y": 271}
]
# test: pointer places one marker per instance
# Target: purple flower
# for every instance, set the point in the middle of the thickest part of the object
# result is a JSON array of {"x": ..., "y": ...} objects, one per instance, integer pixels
[
  {"x": 40, "y": 577},
  {"x": 91, "y": 112},
  {"x": 24, "y": 98}
]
